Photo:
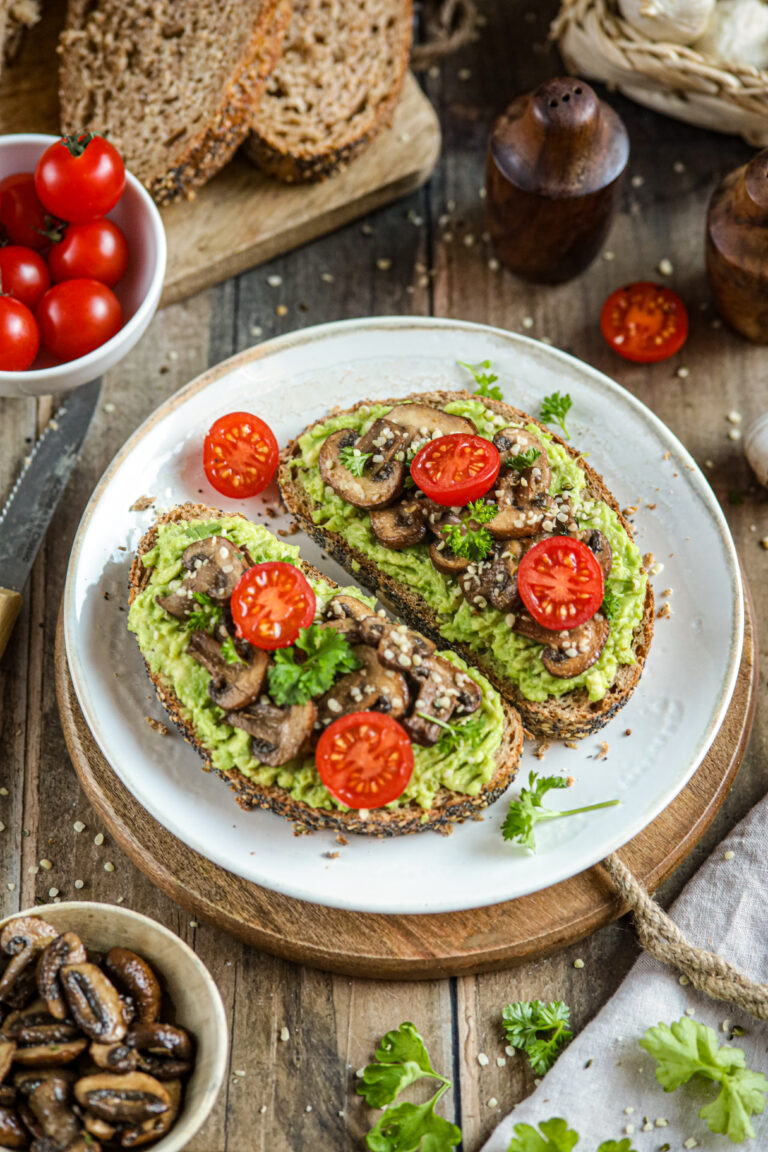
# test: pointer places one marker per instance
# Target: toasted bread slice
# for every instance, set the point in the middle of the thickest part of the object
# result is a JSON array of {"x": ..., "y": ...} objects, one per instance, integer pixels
[
  {"x": 571, "y": 716},
  {"x": 449, "y": 807}
]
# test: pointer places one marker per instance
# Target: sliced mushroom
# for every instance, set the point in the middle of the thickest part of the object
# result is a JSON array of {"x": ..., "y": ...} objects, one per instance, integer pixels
[
  {"x": 372, "y": 688},
  {"x": 27, "y": 1079},
  {"x": 129, "y": 1099},
  {"x": 114, "y": 1057},
  {"x": 165, "y": 1050},
  {"x": 51, "y": 1107},
  {"x": 65, "y": 949},
  {"x": 50, "y": 1055},
  {"x": 446, "y": 560},
  {"x": 13, "y": 1134},
  {"x": 385, "y": 441},
  {"x": 376, "y": 488},
  {"x": 136, "y": 976},
  {"x": 7, "y": 1049},
  {"x": 599, "y": 543},
  {"x": 397, "y": 646},
  {"x": 567, "y": 653},
  {"x": 347, "y": 607},
  {"x": 93, "y": 1002},
  {"x": 98, "y": 1127},
  {"x": 233, "y": 685},
  {"x": 20, "y": 933},
  {"x": 214, "y": 566},
  {"x": 423, "y": 422},
  {"x": 534, "y": 480},
  {"x": 443, "y": 690},
  {"x": 494, "y": 580},
  {"x": 7, "y": 1096},
  {"x": 402, "y": 525},
  {"x": 43, "y": 1029},
  {"x": 158, "y": 1125},
  {"x": 279, "y": 734},
  {"x": 517, "y": 517}
]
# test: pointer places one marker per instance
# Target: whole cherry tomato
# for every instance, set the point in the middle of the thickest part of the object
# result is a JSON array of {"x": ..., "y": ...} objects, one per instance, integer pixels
[
  {"x": 240, "y": 455},
  {"x": 23, "y": 274},
  {"x": 21, "y": 213},
  {"x": 96, "y": 250},
  {"x": 19, "y": 335},
  {"x": 80, "y": 178},
  {"x": 77, "y": 316},
  {"x": 365, "y": 759}
]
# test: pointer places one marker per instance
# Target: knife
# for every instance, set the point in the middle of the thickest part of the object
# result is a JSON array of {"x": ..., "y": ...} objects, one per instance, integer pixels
[{"x": 27, "y": 513}]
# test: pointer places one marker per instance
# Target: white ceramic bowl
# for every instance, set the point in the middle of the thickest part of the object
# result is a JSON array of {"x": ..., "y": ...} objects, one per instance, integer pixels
[
  {"x": 138, "y": 291},
  {"x": 188, "y": 986}
]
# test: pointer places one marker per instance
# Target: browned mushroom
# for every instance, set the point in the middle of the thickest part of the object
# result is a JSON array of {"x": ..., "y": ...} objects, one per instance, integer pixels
[
  {"x": 20, "y": 933},
  {"x": 129, "y": 1099},
  {"x": 567, "y": 653},
  {"x": 98, "y": 1127},
  {"x": 7, "y": 1049},
  {"x": 214, "y": 566},
  {"x": 446, "y": 560},
  {"x": 158, "y": 1125},
  {"x": 397, "y": 645},
  {"x": 279, "y": 734},
  {"x": 423, "y": 422},
  {"x": 166, "y": 1051},
  {"x": 385, "y": 441},
  {"x": 443, "y": 690},
  {"x": 233, "y": 685},
  {"x": 347, "y": 607},
  {"x": 402, "y": 525},
  {"x": 13, "y": 1134},
  {"x": 533, "y": 479},
  {"x": 599, "y": 543},
  {"x": 114, "y": 1057},
  {"x": 138, "y": 979},
  {"x": 494, "y": 580},
  {"x": 27, "y": 1079},
  {"x": 23, "y": 939},
  {"x": 65, "y": 949},
  {"x": 42, "y": 1028},
  {"x": 372, "y": 688},
  {"x": 50, "y": 1055},
  {"x": 377, "y": 486},
  {"x": 94, "y": 1002},
  {"x": 7, "y": 1096},
  {"x": 50, "y": 1104}
]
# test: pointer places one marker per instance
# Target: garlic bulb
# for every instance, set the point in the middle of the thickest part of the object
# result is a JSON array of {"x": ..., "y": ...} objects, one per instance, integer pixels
[
  {"x": 678, "y": 21},
  {"x": 756, "y": 448},
  {"x": 737, "y": 33}
]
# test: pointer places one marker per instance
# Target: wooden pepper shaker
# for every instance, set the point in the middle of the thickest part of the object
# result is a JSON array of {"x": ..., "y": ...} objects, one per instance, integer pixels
[
  {"x": 737, "y": 248},
  {"x": 555, "y": 166}
]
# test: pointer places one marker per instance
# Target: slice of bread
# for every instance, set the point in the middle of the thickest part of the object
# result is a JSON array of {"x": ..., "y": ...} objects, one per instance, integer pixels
[
  {"x": 448, "y": 808},
  {"x": 172, "y": 85},
  {"x": 16, "y": 16},
  {"x": 571, "y": 716},
  {"x": 335, "y": 87}
]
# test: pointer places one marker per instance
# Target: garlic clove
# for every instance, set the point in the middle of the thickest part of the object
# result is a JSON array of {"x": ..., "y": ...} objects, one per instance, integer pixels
[
  {"x": 756, "y": 448},
  {"x": 677, "y": 21}
]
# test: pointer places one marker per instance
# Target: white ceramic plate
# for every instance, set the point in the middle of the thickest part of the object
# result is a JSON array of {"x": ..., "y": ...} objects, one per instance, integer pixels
[{"x": 674, "y": 714}]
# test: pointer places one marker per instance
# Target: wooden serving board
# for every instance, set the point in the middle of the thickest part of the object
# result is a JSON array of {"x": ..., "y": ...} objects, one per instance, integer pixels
[
  {"x": 409, "y": 947},
  {"x": 241, "y": 218}
]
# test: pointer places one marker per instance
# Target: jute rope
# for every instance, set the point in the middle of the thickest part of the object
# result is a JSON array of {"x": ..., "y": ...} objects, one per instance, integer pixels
[
  {"x": 448, "y": 30},
  {"x": 661, "y": 937}
]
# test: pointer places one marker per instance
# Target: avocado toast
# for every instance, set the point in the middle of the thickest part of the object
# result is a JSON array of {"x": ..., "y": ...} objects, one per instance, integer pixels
[
  {"x": 565, "y": 684},
  {"x": 180, "y": 583}
]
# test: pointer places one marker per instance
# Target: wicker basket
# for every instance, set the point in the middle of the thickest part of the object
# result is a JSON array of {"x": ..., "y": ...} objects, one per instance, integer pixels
[{"x": 598, "y": 44}]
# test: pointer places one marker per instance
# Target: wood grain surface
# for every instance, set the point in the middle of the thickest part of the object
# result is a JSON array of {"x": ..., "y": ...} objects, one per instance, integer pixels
[{"x": 335, "y": 1021}]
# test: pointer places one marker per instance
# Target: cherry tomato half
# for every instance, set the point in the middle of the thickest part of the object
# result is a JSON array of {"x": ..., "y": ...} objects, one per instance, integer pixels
[
  {"x": 96, "y": 250},
  {"x": 240, "y": 455},
  {"x": 271, "y": 603},
  {"x": 21, "y": 213},
  {"x": 456, "y": 469},
  {"x": 560, "y": 582},
  {"x": 23, "y": 274},
  {"x": 19, "y": 335},
  {"x": 644, "y": 322},
  {"x": 80, "y": 178},
  {"x": 77, "y": 316},
  {"x": 365, "y": 759}
]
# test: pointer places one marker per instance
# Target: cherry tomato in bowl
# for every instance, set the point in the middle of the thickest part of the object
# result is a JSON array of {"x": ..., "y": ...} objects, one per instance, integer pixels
[
  {"x": 21, "y": 213},
  {"x": 23, "y": 274},
  {"x": 456, "y": 469},
  {"x": 80, "y": 178},
  {"x": 240, "y": 455},
  {"x": 271, "y": 603},
  {"x": 96, "y": 250},
  {"x": 77, "y": 316},
  {"x": 365, "y": 759},
  {"x": 19, "y": 335},
  {"x": 560, "y": 582},
  {"x": 644, "y": 322}
]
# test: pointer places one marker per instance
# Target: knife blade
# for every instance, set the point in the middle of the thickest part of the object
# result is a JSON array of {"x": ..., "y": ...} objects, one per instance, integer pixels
[{"x": 25, "y": 517}]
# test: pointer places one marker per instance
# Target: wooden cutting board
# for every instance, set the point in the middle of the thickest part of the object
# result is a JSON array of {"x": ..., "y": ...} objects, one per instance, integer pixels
[
  {"x": 241, "y": 218},
  {"x": 409, "y": 947}
]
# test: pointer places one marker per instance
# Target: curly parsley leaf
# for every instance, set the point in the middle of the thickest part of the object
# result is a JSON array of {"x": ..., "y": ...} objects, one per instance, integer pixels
[
  {"x": 413, "y": 1127},
  {"x": 457, "y": 734},
  {"x": 353, "y": 460},
  {"x": 554, "y": 410},
  {"x": 553, "y": 1136},
  {"x": 523, "y": 460},
  {"x": 326, "y": 655},
  {"x": 230, "y": 653},
  {"x": 524, "y": 814},
  {"x": 685, "y": 1049},
  {"x": 610, "y": 604},
  {"x": 484, "y": 380},
  {"x": 471, "y": 539},
  {"x": 206, "y": 617},
  {"x": 540, "y": 1030}
]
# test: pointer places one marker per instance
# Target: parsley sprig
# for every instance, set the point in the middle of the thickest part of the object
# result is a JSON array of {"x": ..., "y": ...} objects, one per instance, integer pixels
[
  {"x": 686, "y": 1049},
  {"x": 458, "y": 733},
  {"x": 230, "y": 653},
  {"x": 354, "y": 461},
  {"x": 524, "y": 814},
  {"x": 483, "y": 379},
  {"x": 327, "y": 654},
  {"x": 206, "y": 617},
  {"x": 554, "y": 410},
  {"x": 471, "y": 539},
  {"x": 555, "y": 1136},
  {"x": 538, "y": 1029},
  {"x": 523, "y": 460},
  {"x": 610, "y": 604},
  {"x": 401, "y": 1060}
]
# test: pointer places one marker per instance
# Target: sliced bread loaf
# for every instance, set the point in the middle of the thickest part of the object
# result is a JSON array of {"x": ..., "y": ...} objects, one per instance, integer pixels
[
  {"x": 335, "y": 87},
  {"x": 171, "y": 84}
]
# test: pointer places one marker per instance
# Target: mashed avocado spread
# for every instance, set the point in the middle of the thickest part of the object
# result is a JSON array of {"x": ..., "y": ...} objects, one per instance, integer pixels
[
  {"x": 515, "y": 656},
  {"x": 464, "y": 761}
]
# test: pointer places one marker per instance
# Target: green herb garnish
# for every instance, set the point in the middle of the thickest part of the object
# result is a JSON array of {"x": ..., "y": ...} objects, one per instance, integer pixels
[
  {"x": 555, "y": 1136},
  {"x": 353, "y": 460},
  {"x": 206, "y": 617},
  {"x": 470, "y": 538},
  {"x": 554, "y": 410},
  {"x": 328, "y": 654},
  {"x": 230, "y": 653},
  {"x": 523, "y": 460},
  {"x": 610, "y": 604},
  {"x": 484, "y": 380},
  {"x": 524, "y": 814},
  {"x": 540, "y": 1030}
]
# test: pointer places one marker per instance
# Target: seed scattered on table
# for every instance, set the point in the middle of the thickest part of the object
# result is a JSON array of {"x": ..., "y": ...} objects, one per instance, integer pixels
[
  {"x": 281, "y": 310},
  {"x": 52, "y": 892},
  {"x": 79, "y": 884},
  {"x": 493, "y": 1102},
  {"x": 665, "y": 267},
  {"x": 98, "y": 839},
  {"x": 274, "y": 281},
  {"x": 11, "y": 886},
  {"x": 383, "y": 264},
  {"x": 527, "y": 321},
  {"x": 501, "y": 1061},
  {"x": 734, "y": 434},
  {"x": 683, "y": 980},
  {"x": 683, "y": 372},
  {"x": 79, "y": 826},
  {"x": 285, "y": 1035},
  {"x": 482, "y": 1059},
  {"x": 729, "y": 855},
  {"x": 109, "y": 866},
  {"x": 578, "y": 963},
  {"x": 46, "y": 864}
]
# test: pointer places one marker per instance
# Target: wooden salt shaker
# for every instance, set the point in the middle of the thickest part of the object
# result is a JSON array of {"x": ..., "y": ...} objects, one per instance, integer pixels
[
  {"x": 737, "y": 248},
  {"x": 555, "y": 166}
]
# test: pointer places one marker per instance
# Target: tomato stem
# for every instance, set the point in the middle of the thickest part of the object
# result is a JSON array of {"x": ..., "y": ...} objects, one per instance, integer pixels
[{"x": 78, "y": 143}]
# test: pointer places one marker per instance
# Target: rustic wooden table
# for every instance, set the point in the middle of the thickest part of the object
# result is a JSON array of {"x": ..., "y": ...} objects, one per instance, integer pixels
[{"x": 425, "y": 255}]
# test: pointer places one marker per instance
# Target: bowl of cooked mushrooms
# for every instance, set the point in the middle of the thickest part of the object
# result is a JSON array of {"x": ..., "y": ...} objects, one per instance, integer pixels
[{"x": 113, "y": 1032}]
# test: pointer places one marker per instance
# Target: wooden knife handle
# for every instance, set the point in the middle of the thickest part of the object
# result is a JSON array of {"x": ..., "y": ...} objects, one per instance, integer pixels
[{"x": 10, "y": 603}]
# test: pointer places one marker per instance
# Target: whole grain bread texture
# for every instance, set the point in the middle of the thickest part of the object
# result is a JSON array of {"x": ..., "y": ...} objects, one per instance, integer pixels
[
  {"x": 334, "y": 89},
  {"x": 449, "y": 807},
  {"x": 172, "y": 85},
  {"x": 568, "y": 717}
]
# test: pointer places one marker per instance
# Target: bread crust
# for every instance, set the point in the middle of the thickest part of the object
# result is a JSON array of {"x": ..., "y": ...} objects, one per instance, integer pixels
[
  {"x": 449, "y": 807},
  {"x": 569, "y": 717}
]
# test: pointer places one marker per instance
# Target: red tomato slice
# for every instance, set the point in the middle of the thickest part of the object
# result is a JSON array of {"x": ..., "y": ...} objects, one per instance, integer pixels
[
  {"x": 644, "y": 322},
  {"x": 271, "y": 603},
  {"x": 560, "y": 582},
  {"x": 365, "y": 759},
  {"x": 456, "y": 469},
  {"x": 240, "y": 455}
]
